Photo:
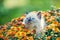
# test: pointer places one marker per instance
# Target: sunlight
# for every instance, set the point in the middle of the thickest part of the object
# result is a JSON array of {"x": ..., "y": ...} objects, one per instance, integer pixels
[{"x": 15, "y": 3}]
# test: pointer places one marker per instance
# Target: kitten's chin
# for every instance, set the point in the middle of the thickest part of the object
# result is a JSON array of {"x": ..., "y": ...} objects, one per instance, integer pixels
[{"x": 28, "y": 23}]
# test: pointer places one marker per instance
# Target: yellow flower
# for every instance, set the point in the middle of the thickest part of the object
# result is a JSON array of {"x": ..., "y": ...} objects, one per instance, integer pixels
[
  {"x": 47, "y": 17},
  {"x": 28, "y": 31},
  {"x": 24, "y": 38},
  {"x": 52, "y": 18},
  {"x": 52, "y": 25},
  {"x": 13, "y": 28},
  {"x": 48, "y": 20},
  {"x": 30, "y": 38},
  {"x": 18, "y": 34},
  {"x": 58, "y": 38},
  {"x": 10, "y": 32},
  {"x": 46, "y": 28},
  {"x": 22, "y": 17},
  {"x": 1, "y": 34},
  {"x": 55, "y": 22},
  {"x": 23, "y": 33},
  {"x": 55, "y": 29},
  {"x": 19, "y": 28},
  {"x": 45, "y": 14}
]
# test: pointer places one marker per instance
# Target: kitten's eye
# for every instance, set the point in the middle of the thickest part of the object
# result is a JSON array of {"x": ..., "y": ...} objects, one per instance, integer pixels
[
  {"x": 33, "y": 18},
  {"x": 26, "y": 18}
]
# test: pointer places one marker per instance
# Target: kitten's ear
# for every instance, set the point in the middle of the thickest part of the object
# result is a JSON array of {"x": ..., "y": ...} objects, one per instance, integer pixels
[
  {"x": 26, "y": 13},
  {"x": 39, "y": 15}
]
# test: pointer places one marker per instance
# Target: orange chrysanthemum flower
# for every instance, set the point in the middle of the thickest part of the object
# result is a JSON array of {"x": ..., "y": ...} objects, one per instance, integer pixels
[
  {"x": 58, "y": 38},
  {"x": 55, "y": 29}
]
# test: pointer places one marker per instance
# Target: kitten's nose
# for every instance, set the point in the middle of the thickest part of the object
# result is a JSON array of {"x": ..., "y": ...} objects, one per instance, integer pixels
[{"x": 29, "y": 20}]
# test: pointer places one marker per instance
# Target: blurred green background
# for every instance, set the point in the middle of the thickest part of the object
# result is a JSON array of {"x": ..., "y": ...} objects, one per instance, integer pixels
[{"x": 10, "y": 9}]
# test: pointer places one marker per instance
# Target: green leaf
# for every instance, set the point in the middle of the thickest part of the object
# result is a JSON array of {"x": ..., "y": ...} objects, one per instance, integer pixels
[
  {"x": 4, "y": 33},
  {"x": 15, "y": 38},
  {"x": 58, "y": 19},
  {"x": 53, "y": 38},
  {"x": 1, "y": 39},
  {"x": 8, "y": 27}
]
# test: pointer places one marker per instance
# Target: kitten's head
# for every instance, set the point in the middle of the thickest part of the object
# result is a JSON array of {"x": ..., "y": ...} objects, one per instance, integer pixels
[{"x": 32, "y": 17}]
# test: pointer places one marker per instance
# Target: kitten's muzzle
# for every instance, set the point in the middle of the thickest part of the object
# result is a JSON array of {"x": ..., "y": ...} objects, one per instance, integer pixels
[{"x": 29, "y": 20}]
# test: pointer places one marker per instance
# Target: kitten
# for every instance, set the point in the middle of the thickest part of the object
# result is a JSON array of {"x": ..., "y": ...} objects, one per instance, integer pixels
[{"x": 35, "y": 20}]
